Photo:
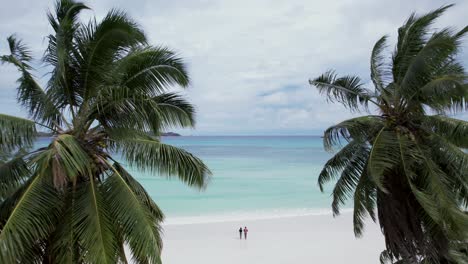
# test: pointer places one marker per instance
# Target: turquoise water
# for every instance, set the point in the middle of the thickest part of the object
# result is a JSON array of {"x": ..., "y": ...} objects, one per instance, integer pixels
[{"x": 251, "y": 175}]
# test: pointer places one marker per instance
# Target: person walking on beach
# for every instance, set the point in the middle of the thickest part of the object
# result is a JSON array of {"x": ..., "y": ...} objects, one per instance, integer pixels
[
  {"x": 245, "y": 232},
  {"x": 240, "y": 232}
]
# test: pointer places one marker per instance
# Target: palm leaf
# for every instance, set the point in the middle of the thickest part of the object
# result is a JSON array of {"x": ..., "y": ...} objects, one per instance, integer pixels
[
  {"x": 13, "y": 173},
  {"x": 69, "y": 160},
  {"x": 365, "y": 197},
  {"x": 151, "y": 70},
  {"x": 20, "y": 55},
  {"x": 150, "y": 154},
  {"x": 361, "y": 129},
  {"x": 378, "y": 71},
  {"x": 411, "y": 39},
  {"x": 173, "y": 111},
  {"x": 454, "y": 162},
  {"x": 93, "y": 224},
  {"x": 60, "y": 53},
  {"x": 31, "y": 216},
  {"x": 447, "y": 93},
  {"x": 64, "y": 243},
  {"x": 347, "y": 90},
  {"x": 421, "y": 79},
  {"x": 100, "y": 44},
  {"x": 30, "y": 94},
  {"x": 349, "y": 178},
  {"x": 139, "y": 226},
  {"x": 334, "y": 166},
  {"x": 141, "y": 193},
  {"x": 432, "y": 193},
  {"x": 16, "y": 133},
  {"x": 158, "y": 113},
  {"x": 453, "y": 130},
  {"x": 384, "y": 157}
]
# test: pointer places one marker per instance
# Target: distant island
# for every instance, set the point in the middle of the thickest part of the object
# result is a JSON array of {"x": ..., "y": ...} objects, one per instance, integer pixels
[{"x": 170, "y": 134}]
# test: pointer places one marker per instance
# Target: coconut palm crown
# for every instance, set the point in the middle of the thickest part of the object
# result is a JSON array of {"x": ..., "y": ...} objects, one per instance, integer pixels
[
  {"x": 107, "y": 95},
  {"x": 404, "y": 166}
]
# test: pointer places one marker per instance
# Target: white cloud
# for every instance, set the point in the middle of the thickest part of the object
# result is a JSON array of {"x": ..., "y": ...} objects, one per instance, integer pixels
[{"x": 243, "y": 53}]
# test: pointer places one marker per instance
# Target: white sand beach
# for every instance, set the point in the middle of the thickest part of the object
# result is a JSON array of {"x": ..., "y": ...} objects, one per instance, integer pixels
[{"x": 298, "y": 239}]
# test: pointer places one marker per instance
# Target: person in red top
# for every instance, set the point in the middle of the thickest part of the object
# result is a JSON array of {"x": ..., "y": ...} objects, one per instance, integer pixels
[{"x": 245, "y": 232}]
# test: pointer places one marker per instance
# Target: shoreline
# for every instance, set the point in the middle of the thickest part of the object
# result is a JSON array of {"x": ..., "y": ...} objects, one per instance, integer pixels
[{"x": 254, "y": 215}]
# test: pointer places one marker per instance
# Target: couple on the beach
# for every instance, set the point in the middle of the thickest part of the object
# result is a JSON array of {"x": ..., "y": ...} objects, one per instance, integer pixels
[{"x": 245, "y": 232}]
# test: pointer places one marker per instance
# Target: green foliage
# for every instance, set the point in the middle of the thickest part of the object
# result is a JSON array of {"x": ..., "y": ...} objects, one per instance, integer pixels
[
  {"x": 124, "y": 200},
  {"x": 151, "y": 154},
  {"x": 405, "y": 165},
  {"x": 453, "y": 130},
  {"x": 13, "y": 172},
  {"x": 30, "y": 94},
  {"x": 108, "y": 94},
  {"x": 15, "y": 133},
  {"x": 347, "y": 90}
]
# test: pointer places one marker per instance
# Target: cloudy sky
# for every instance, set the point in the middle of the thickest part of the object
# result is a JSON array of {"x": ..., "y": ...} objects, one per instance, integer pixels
[{"x": 249, "y": 60}]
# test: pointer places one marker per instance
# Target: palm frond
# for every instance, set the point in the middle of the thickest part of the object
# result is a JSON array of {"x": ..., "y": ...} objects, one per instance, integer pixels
[
  {"x": 361, "y": 129},
  {"x": 60, "y": 53},
  {"x": 458, "y": 252},
  {"x": 454, "y": 162},
  {"x": 158, "y": 113},
  {"x": 349, "y": 178},
  {"x": 384, "y": 156},
  {"x": 365, "y": 197},
  {"x": 30, "y": 94},
  {"x": 334, "y": 166},
  {"x": 151, "y": 70},
  {"x": 30, "y": 217},
  {"x": 117, "y": 134},
  {"x": 432, "y": 193},
  {"x": 140, "y": 228},
  {"x": 13, "y": 173},
  {"x": 347, "y": 90},
  {"x": 116, "y": 110},
  {"x": 64, "y": 246},
  {"x": 20, "y": 55},
  {"x": 437, "y": 53},
  {"x": 141, "y": 193},
  {"x": 411, "y": 39},
  {"x": 16, "y": 133},
  {"x": 99, "y": 45},
  {"x": 65, "y": 11},
  {"x": 378, "y": 71},
  {"x": 447, "y": 93},
  {"x": 453, "y": 130},
  {"x": 174, "y": 111},
  {"x": 150, "y": 154},
  {"x": 94, "y": 224},
  {"x": 69, "y": 160}
]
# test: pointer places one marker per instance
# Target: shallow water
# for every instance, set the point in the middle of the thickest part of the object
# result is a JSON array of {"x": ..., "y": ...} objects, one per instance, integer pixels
[{"x": 253, "y": 177}]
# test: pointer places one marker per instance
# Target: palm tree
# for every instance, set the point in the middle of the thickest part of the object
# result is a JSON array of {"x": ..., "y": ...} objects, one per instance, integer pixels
[
  {"x": 108, "y": 95},
  {"x": 406, "y": 160}
]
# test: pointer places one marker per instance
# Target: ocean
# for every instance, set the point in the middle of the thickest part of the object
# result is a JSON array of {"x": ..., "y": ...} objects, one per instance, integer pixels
[{"x": 253, "y": 177}]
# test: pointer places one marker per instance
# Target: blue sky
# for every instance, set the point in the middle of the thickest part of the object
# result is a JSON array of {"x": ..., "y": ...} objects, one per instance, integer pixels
[{"x": 249, "y": 60}]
